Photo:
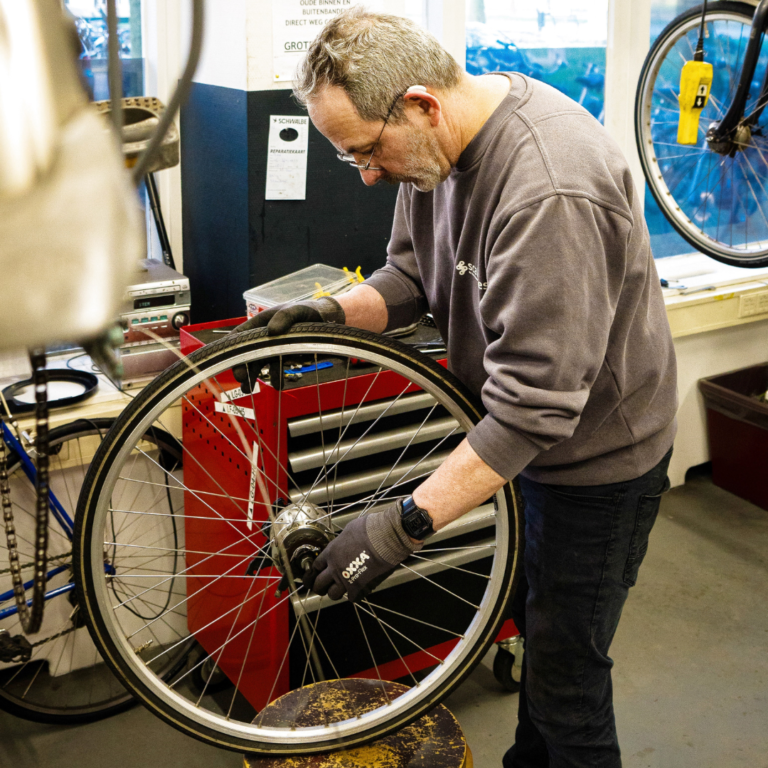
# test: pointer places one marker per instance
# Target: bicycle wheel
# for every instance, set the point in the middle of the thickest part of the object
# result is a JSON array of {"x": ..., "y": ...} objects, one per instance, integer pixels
[
  {"x": 64, "y": 680},
  {"x": 718, "y": 203},
  {"x": 369, "y": 420}
]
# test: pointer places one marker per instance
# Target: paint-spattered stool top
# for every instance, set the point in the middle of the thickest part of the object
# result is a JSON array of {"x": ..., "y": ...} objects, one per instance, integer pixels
[{"x": 434, "y": 741}]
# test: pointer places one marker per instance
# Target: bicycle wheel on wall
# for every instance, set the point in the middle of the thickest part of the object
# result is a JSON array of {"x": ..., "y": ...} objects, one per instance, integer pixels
[
  {"x": 718, "y": 203},
  {"x": 267, "y": 476},
  {"x": 64, "y": 680}
]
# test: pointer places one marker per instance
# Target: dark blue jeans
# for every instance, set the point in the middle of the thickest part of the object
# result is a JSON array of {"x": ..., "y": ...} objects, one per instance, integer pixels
[{"x": 583, "y": 548}]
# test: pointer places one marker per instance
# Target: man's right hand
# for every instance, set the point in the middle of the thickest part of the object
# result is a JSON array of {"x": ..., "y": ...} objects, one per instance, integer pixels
[{"x": 280, "y": 319}]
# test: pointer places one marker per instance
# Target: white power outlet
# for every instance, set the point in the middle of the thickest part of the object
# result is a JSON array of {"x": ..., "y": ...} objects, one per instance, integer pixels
[{"x": 753, "y": 304}]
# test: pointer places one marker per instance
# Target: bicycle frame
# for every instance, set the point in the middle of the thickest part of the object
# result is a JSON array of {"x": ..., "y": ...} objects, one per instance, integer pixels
[
  {"x": 58, "y": 511},
  {"x": 719, "y": 134}
]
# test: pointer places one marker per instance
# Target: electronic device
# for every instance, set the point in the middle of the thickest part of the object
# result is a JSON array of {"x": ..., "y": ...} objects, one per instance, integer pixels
[
  {"x": 416, "y": 521},
  {"x": 159, "y": 302}
]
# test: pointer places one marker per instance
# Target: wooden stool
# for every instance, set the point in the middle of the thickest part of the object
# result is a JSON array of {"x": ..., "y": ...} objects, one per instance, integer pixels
[{"x": 434, "y": 741}]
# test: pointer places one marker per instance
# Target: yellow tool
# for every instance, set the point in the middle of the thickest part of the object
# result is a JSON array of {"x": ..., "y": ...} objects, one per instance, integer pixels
[
  {"x": 356, "y": 276},
  {"x": 695, "y": 84},
  {"x": 319, "y": 292}
]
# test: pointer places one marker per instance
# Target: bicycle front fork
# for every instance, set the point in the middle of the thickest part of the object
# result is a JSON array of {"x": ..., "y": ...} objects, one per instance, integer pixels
[{"x": 732, "y": 133}]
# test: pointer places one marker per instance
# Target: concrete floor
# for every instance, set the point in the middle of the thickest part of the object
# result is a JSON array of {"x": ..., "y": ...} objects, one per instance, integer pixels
[{"x": 691, "y": 675}]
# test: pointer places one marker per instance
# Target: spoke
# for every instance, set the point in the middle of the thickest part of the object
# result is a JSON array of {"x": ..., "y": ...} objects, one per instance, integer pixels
[
  {"x": 370, "y": 651},
  {"x": 400, "y": 457},
  {"x": 185, "y": 570},
  {"x": 229, "y": 635},
  {"x": 452, "y": 567},
  {"x": 324, "y": 472},
  {"x": 341, "y": 424},
  {"x": 246, "y": 457},
  {"x": 248, "y": 652},
  {"x": 322, "y": 430},
  {"x": 171, "y": 549},
  {"x": 234, "y": 637},
  {"x": 391, "y": 642},
  {"x": 439, "y": 586},
  {"x": 176, "y": 514},
  {"x": 405, "y": 637},
  {"x": 418, "y": 621}
]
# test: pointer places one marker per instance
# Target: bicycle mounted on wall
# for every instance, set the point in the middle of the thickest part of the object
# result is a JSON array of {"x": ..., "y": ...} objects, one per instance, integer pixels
[{"x": 713, "y": 191}]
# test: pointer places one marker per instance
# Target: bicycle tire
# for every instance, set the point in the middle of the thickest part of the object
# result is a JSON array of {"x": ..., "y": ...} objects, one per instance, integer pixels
[
  {"x": 64, "y": 682},
  {"x": 213, "y": 363},
  {"x": 718, "y": 204}
]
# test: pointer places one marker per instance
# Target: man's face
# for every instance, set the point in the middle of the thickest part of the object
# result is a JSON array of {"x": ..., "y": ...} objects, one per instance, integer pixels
[{"x": 406, "y": 152}]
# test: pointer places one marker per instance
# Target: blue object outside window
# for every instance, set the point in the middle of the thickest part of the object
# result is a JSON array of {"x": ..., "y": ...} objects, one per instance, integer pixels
[
  {"x": 91, "y": 19},
  {"x": 561, "y": 42}
]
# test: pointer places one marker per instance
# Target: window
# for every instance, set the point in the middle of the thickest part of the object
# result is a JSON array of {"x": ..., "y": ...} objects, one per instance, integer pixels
[
  {"x": 91, "y": 19},
  {"x": 561, "y": 42}
]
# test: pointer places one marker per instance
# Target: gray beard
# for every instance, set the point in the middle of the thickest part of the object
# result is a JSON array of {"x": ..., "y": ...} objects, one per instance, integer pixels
[{"x": 421, "y": 164}]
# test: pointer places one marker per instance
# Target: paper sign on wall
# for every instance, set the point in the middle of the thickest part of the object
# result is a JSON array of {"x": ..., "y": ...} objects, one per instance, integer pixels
[
  {"x": 287, "y": 160},
  {"x": 296, "y": 23}
]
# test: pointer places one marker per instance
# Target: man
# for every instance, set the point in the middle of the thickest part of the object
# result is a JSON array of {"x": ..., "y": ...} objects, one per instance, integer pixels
[{"x": 517, "y": 225}]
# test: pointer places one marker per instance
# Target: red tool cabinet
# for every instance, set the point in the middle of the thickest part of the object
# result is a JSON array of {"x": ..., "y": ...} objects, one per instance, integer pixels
[{"x": 222, "y": 612}]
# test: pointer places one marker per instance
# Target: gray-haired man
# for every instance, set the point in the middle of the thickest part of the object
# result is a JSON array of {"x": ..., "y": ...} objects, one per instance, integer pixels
[{"x": 517, "y": 225}]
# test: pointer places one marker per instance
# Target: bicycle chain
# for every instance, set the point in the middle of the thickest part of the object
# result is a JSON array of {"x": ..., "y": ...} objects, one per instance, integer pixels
[
  {"x": 54, "y": 637},
  {"x": 31, "y": 617},
  {"x": 54, "y": 559}
]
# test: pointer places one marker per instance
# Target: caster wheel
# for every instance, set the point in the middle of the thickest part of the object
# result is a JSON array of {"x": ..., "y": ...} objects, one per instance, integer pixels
[
  {"x": 505, "y": 671},
  {"x": 209, "y": 678}
]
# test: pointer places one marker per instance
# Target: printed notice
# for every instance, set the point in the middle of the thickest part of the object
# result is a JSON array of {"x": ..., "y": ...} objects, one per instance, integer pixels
[
  {"x": 287, "y": 160},
  {"x": 296, "y": 23}
]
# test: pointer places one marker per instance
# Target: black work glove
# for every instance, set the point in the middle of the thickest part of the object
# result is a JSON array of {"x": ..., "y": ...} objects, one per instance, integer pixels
[
  {"x": 280, "y": 319},
  {"x": 361, "y": 556}
]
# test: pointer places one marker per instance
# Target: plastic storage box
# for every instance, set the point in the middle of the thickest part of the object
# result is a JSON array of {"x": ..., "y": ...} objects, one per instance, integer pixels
[
  {"x": 307, "y": 283},
  {"x": 737, "y": 423}
]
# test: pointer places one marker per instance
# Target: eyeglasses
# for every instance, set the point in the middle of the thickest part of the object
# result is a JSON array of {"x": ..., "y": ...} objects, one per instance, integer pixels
[{"x": 350, "y": 160}]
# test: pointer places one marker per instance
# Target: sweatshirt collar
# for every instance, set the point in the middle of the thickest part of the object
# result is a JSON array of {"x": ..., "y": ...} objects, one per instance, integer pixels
[{"x": 519, "y": 89}]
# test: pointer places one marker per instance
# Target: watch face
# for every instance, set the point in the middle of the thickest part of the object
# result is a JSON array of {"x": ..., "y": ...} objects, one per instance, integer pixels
[{"x": 417, "y": 523}]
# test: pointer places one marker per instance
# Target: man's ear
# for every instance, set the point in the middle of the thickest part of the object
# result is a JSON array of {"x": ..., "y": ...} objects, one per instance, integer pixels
[{"x": 426, "y": 101}]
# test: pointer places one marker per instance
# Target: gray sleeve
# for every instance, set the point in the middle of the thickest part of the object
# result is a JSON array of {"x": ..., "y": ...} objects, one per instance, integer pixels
[
  {"x": 399, "y": 282},
  {"x": 555, "y": 272}
]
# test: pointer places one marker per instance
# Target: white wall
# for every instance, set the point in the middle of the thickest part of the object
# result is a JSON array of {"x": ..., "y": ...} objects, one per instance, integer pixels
[
  {"x": 162, "y": 42},
  {"x": 629, "y": 34}
]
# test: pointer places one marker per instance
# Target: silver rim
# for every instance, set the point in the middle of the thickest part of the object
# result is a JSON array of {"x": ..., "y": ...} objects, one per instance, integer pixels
[
  {"x": 721, "y": 203},
  {"x": 347, "y": 434}
]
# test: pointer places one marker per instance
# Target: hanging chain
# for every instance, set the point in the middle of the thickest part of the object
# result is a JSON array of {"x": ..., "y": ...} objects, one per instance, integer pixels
[{"x": 31, "y": 617}]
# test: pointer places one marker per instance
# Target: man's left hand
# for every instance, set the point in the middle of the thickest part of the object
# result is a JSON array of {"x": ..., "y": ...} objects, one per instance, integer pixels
[{"x": 361, "y": 556}]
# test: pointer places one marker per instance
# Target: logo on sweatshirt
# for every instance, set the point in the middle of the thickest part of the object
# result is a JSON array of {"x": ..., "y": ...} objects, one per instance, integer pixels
[
  {"x": 463, "y": 267},
  {"x": 356, "y": 567}
]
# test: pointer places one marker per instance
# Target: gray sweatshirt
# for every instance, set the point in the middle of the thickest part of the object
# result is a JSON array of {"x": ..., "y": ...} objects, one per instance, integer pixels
[{"x": 535, "y": 261}]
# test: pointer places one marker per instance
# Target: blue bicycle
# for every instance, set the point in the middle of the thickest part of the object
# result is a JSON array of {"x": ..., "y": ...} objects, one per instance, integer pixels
[{"x": 56, "y": 675}]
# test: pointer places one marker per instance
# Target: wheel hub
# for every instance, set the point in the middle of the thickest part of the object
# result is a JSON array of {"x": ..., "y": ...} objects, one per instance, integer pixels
[
  {"x": 299, "y": 535},
  {"x": 738, "y": 140}
]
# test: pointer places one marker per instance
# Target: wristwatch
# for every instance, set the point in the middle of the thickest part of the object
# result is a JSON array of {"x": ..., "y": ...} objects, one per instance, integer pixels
[{"x": 416, "y": 521}]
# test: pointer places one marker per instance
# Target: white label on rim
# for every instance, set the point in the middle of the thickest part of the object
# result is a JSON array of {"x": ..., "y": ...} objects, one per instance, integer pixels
[
  {"x": 252, "y": 488},
  {"x": 235, "y": 410}
]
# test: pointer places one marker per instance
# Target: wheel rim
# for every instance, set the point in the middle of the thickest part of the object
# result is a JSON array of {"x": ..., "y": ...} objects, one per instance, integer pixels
[
  {"x": 305, "y": 638},
  {"x": 720, "y": 204},
  {"x": 65, "y": 676}
]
